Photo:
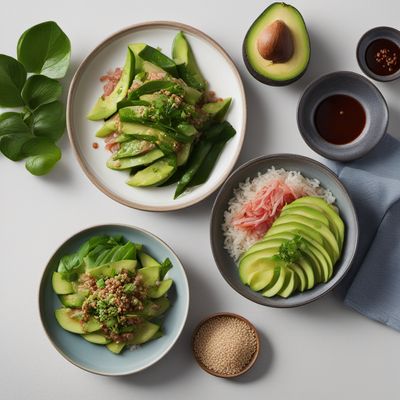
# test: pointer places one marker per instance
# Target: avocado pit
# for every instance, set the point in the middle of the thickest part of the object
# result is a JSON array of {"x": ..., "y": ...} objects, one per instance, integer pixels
[{"x": 275, "y": 42}]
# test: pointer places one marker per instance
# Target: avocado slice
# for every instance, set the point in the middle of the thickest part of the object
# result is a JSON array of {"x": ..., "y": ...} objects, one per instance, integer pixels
[
  {"x": 115, "y": 348},
  {"x": 66, "y": 318},
  {"x": 313, "y": 249},
  {"x": 155, "y": 174},
  {"x": 150, "y": 275},
  {"x": 110, "y": 269},
  {"x": 313, "y": 238},
  {"x": 292, "y": 41},
  {"x": 132, "y": 148},
  {"x": 108, "y": 127},
  {"x": 316, "y": 213},
  {"x": 148, "y": 261},
  {"x": 144, "y": 132},
  {"x": 262, "y": 280},
  {"x": 187, "y": 129},
  {"x": 60, "y": 285},
  {"x": 157, "y": 335},
  {"x": 330, "y": 212},
  {"x": 308, "y": 259},
  {"x": 324, "y": 264},
  {"x": 130, "y": 162},
  {"x": 263, "y": 244},
  {"x": 290, "y": 284},
  {"x": 284, "y": 274},
  {"x": 96, "y": 338},
  {"x": 305, "y": 211},
  {"x": 190, "y": 95},
  {"x": 218, "y": 109},
  {"x": 251, "y": 266},
  {"x": 156, "y": 307},
  {"x": 159, "y": 290},
  {"x": 73, "y": 300},
  {"x": 301, "y": 276},
  {"x": 154, "y": 56},
  {"x": 149, "y": 68},
  {"x": 294, "y": 227},
  {"x": 136, "y": 48},
  {"x": 150, "y": 87},
  {"x": 107, "y": 106},
  {"x": 183, "y": 154},
  {"x": 186, "y": 63},
  {"x": 328, "y": 237},
  {"x": 313, "y": 262},
  {"x": 256, "y": 261},
  {"x": 144, "y": 332},
  {"x": 308, "y": 270}
]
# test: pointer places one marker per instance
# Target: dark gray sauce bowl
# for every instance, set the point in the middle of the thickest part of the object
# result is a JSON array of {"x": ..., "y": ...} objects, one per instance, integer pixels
[
  {"x": 358, "y": 87},
  {"x": 311, "y": 169},
  {"x": 380, "y": 32}
]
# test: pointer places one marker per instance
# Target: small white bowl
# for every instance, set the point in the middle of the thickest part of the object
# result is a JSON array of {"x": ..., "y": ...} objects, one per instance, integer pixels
[{"x": 219, "y": 70}]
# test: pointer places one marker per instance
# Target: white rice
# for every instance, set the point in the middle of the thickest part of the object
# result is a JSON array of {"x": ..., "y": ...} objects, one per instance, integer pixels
[{"x": 237, "y": 241}]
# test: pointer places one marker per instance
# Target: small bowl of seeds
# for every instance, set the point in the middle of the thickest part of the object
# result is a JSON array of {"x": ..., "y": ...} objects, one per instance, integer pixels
[{"x": 225, "y": 345}]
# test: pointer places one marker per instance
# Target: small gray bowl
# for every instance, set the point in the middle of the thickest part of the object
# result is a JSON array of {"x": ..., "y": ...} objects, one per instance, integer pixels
[
  {"x": 311, "y": 169},
  {"x": 358, "y": 87},
  {"x": 380, "y": 32}
]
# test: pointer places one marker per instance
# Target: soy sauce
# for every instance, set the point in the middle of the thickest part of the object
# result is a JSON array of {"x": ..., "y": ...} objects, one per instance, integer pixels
[
  {"x": 340, "y": 119},
  {"x": 383, "y": 57}
]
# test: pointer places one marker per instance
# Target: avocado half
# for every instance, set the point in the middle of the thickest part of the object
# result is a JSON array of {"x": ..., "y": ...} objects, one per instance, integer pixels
[{"x": 282, "y": 72}]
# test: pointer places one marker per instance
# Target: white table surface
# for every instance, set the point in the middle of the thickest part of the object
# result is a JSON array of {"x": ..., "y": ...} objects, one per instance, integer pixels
[{"x": 320, "y": 351}]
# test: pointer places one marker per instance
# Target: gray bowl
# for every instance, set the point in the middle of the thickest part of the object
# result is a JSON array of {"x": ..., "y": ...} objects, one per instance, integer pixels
[
  {"x": 381, "y": 32},
  {"x": 310, "y": 169},
  {"x": 351, "y": 84}
]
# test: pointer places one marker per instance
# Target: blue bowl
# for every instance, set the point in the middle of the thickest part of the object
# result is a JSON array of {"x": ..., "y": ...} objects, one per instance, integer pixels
[{"x": 96, "y": 358}]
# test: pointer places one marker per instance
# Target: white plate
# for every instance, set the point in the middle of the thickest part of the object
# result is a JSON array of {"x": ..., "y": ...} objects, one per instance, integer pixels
[{"x": 217, "y": 68}]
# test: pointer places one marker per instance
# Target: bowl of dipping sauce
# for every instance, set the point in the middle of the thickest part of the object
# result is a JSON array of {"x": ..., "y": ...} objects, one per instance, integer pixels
[
  {"x": 378, "y": 53},
  {"x": 342, "y": 116},
  {"x": 225, "y": 345}
]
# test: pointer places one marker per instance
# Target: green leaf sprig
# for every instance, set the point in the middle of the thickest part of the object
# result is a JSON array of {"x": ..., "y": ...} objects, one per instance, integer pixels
[
  {"x": 44, "y": 51},
  {"x": 290, "y": 250}
]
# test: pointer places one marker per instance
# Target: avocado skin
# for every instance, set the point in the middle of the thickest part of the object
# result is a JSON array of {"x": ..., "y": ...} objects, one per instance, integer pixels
[{"x": 257, "y": 75}]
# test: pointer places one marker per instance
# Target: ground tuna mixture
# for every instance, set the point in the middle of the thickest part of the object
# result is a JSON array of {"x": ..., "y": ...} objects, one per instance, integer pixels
[{"x": 111, "y": 299}]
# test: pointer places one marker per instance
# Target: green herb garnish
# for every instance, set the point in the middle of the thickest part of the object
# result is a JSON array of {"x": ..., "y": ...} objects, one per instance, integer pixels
[
  {"x": 129, "y": 288},
  {"x": 70, "y": 267},
  {"x": 290, "y": 250},
  {"x": 100, "y": 283},
  {"x": 166, "y": 265}
]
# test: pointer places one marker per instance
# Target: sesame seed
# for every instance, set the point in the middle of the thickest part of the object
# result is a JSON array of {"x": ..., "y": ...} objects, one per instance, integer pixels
[{"x": 225, "y": 345}]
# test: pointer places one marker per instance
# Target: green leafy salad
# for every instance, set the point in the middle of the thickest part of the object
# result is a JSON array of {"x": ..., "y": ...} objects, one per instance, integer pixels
[
  {"x": 113, "y": 293},
  {"x": 161, "y": 123}
]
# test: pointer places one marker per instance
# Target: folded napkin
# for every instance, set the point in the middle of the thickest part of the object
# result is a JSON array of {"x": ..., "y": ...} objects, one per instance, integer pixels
[{"x": 372, "y": 286}]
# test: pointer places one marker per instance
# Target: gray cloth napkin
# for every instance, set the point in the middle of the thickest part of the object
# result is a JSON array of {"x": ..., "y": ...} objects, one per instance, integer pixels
[{"x": 373, "y": 285}]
